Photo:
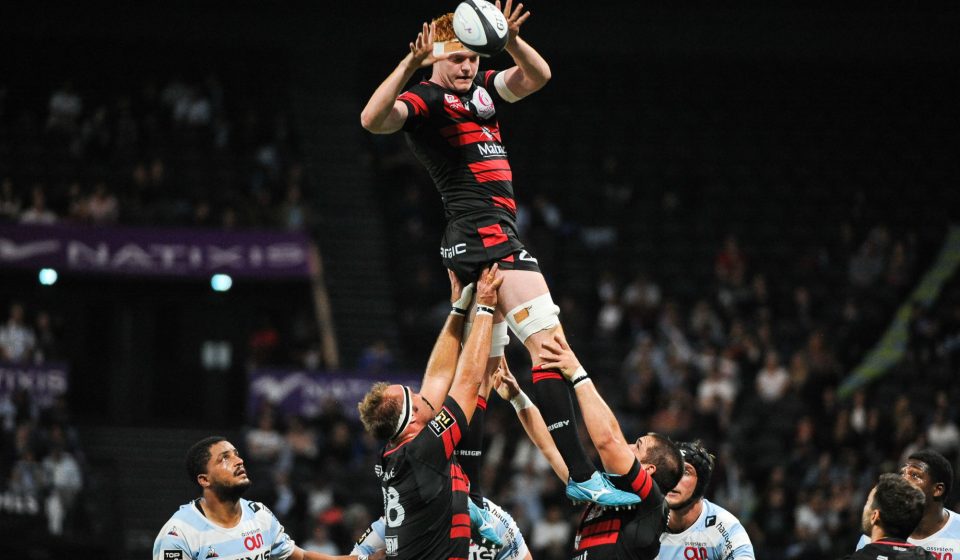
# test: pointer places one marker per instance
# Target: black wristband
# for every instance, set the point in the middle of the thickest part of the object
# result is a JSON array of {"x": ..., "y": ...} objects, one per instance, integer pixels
[{"x": 484, "y": 309}]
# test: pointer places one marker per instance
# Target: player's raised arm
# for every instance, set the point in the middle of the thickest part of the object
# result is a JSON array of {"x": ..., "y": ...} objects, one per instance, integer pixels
[
  {"x": 602, "y": 425},
  {"x": 531, "y": 71},
  {"x": 383, "y": 114},
  {"x": 509, "y": 390},
  {"x": 442, "y": 364},
  {"x": 473, "y": 359}
]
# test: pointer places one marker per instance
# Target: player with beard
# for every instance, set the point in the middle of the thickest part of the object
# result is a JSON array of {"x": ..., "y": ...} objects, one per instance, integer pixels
[
  {"x": 892, "y": 512},
  {"x": 698, "y": 528},
  {"x": 652, "y": 462},
  {"x": 450, "y": 122},
  {"x": 939, "y": 529},
  {"x": 220, "y": 523}
]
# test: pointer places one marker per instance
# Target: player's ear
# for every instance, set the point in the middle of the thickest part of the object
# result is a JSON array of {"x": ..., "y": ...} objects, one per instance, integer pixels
[
  {"x": 203, "y": 480},
  {"x": 938, "y": 490}
]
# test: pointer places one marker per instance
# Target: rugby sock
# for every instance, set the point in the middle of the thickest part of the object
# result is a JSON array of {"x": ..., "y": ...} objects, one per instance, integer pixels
[
  {"x": 469, "y": 451},
  {"x": 556, "y": 406}
]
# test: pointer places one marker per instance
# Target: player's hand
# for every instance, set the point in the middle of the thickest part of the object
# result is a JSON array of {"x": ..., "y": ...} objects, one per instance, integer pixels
[
  {"x": 515, "y": 18},
  {"x": 378, "y": 555},
  {"x": 421, "y": 50},
  {"x": 556, "y": 354},
  {"x": 460, "y": 296},
  {"x": 504, "y": 383},
  {"x": 487, "y": 286}
]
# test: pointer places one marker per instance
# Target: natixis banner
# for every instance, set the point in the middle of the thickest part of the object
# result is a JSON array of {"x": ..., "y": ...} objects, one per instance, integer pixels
[{"x": 155, "y": 251}]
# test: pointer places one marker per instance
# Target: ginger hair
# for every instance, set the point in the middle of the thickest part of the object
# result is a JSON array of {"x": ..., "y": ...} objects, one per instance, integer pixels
[{"x": 444, "y": 28}]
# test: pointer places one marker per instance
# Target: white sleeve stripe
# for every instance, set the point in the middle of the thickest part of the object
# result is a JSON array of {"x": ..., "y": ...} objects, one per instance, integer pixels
[{"x": 500, "y": 82}]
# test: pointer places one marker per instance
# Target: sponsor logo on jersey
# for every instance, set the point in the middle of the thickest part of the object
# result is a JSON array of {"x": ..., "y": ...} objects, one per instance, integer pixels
[
  {"x": 482, "y": 104},
  {"x": 453, "y": 101},
  {"x": 212, "y": 553},
  {"x": 391, "y": 542},
  {"x": 173, "y": 532},
  {"x": 255, "y": 507},
  {"x": 711, "y": 520},
  {"x": 442, "y": 422},
  {"x": 450, "y": 252},
  {"x": 469, "y": 452},
  {"x": 364, "y": 536},
  {"x": 173, "y": 555},
  {"x": 488, "y": 149}
]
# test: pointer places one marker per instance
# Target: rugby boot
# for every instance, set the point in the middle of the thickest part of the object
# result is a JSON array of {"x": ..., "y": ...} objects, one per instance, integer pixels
[
  {"x": 485, "y": 524},
  {"x": 599, "y": 490}
]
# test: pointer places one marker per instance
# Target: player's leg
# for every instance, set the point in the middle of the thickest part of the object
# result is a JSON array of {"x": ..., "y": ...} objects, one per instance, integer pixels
[{"x": 533, "y": 318}]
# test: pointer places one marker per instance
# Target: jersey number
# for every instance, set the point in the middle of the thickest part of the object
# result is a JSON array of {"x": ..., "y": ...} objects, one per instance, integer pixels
[
  {"x": 393, "y": 511},
  {"x": 943, "y": 555},
  {"x": 694, "y": 553}
]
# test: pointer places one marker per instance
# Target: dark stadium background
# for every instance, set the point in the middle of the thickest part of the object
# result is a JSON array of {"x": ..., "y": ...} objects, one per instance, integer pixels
[{"x": 801, "y": 128}]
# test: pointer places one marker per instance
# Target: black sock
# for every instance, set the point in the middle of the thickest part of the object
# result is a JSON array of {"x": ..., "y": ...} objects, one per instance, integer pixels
[{"x": 556, "y": 406}]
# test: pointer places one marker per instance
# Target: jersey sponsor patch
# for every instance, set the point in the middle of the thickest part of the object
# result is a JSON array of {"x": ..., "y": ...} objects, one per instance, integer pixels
[
  {"x": 392, "y": 547},
  {"x": 364, "y": 536},
  {"x": 711, "y": 520},
  {"x": 442, "y": 422},
  {"x": 173, "y": 555}
]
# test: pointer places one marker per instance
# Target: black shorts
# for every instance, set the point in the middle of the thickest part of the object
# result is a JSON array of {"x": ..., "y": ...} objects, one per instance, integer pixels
[{"x": 472, "y": 242}]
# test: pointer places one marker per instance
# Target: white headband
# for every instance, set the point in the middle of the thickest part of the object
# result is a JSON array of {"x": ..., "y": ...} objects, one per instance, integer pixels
[{"x": 406, "y": 414}]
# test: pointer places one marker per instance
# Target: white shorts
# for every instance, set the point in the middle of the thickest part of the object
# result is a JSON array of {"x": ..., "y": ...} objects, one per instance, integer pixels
[{"x": 514, "y": 547}]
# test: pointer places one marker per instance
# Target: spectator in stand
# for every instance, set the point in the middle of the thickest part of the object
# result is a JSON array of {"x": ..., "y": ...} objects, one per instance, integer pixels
[
  {"x": 47, "y": 346},
  {"x": 730, "y": 263},
  {"x": 10, "y": 202},
  {"x": 65, "y": 108},
  {"x": 17, "y": 339},
  {"x": 551, "y": 536},
  {"x": 62, "y": 473},
  {"x": 943, "y": 434},
  {"x": 102, "y": 205},
  {"x": 772, "y": 381},
  {"x": 38, "y": 213}
]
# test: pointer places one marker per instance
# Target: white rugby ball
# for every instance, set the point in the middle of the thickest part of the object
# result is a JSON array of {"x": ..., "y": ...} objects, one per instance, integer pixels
[{"x": 480, "y": 26}]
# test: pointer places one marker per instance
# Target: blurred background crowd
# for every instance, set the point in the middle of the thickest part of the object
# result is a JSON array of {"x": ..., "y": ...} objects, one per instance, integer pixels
[{"x": 728, "y": 236}]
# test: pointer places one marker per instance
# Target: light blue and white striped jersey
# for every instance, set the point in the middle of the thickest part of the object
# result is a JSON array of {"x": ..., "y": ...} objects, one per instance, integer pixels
[
  {"x": 944, "y": 544},
  {"x": 189, "y": 535},
  {"x": 514, "y": 546},
  {"x": 716, "y": 535}
]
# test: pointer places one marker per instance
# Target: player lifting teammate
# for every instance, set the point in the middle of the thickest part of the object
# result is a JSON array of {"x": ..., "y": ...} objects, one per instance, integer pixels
[
  {"x": 426, "y": 509},
  {"x": 652, "y": 462},
  {"x": 451, "y": 125}
]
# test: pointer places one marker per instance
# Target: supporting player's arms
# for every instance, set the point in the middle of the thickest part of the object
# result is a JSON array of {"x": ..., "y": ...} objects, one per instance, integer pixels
[
  {"x": 383, "y": 114},
  {"x": 473, "y": 360},
  {"x": 531, "y": 71},
  {"x": 530, "y": 418},
  {"x": 604, "y": 429},
  {"x": 446, "y": 350}
]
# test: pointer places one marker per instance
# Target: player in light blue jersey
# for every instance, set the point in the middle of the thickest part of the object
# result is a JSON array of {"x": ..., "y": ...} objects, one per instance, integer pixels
[
  {"x": 220, "y": 524},
  {"x": 699, "y": 529},
  {"x": 939, "y": 529}
]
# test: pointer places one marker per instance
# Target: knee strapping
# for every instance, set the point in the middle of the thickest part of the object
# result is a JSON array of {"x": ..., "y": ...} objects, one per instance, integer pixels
[
  {"x": 499, "y": 338},
  {"x": 538, "y": 314}
]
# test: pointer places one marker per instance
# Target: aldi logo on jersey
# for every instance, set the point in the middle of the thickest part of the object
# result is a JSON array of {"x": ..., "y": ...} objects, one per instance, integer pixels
[{"x": 442, "y": 422}]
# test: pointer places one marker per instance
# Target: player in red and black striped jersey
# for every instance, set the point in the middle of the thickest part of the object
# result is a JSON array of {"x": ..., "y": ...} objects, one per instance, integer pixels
[
  {"x": 450, "y": 121},
  {"x": 424, "y": 488},
  {"x": 643, "y": 468}
]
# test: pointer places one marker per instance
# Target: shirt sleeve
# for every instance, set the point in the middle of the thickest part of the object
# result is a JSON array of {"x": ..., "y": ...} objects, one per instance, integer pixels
[
  {"x": 418, "y": 100},
  {"x": 281, "y": 545},
  {"x": 740, "y": 547},
  {"x": 171, "y": 544},
  {"x": 435, "y": 444},
  {"x": 372, "y": 540},
  {"x": 637, "y": 481}
]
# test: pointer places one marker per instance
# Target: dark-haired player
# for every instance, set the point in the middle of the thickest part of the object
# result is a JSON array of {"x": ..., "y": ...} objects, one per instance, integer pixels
[
  {"x": 892, "y": 511},
  {"x": 220, "y": 524},
  {"x": 644, "y": 467},
  {"x": 939, "y": 529},
  {"x": 698, "y": 528},
  {"x": 425, "y": 500},
  {"x": 450, "y": 121}
]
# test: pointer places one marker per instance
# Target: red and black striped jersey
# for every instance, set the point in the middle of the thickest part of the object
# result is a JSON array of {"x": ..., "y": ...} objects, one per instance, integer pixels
[
  {"x": 606, "y": 534},
  {"x": 457, "y": 138},
  {"x": 425, "y": 492}
]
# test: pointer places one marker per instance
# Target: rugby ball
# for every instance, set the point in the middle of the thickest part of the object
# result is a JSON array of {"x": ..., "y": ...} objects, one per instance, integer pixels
[{"x": 481, "y": 27}]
